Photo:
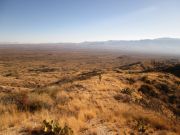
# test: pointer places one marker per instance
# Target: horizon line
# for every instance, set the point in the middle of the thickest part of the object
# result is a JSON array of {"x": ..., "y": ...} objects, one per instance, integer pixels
[{"x": 88, "y": 41}]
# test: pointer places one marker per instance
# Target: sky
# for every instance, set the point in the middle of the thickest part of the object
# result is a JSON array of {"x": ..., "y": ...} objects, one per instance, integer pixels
[{"x": 41, "y": 21}]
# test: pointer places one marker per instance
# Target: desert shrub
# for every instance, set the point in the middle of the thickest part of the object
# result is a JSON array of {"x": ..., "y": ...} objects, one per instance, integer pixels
[
  {"x": 12, "y": 98},
  {"x": 23, "y": 102},
  {"x": 11, "y": 73},
  {"x": 130, "y": 80},
  {"x": 43, "y": 69},
  {"x": 172, "y": 99},
  {"x": 117, "y": 71},
  {"x": 162, "y": 87},
  {"x": 148, "y": 91},
  {"x": 127, "y": 91},
  {"x": 153, "y": 104},
  {"x": 52, "y": 128},
  {"x": 76, "y": 87},
  {"x": 33, "y": 106},
  {"x": 87, "y": 75},
  {"x": 146, "y": 80},
  {"x": 123, "y": 98},
  {"x": 142, "y": 125}
]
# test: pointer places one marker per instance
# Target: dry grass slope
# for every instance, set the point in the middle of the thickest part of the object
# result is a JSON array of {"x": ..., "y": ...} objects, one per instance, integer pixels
[{"x": 92, "y": 93}]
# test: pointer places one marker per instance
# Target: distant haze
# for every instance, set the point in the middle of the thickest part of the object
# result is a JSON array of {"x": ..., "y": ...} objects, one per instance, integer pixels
[
  {"x": 169, "y": 46},
  {"x": 160, "y": 46}
]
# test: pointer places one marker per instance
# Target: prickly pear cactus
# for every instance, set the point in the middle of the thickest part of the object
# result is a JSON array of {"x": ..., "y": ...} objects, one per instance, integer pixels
[{"x": 53, "y": 128}]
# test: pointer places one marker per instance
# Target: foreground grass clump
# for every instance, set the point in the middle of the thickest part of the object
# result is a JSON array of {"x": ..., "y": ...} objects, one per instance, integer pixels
[
  {"x": 53, "y": 128},
  {"x": 26, "y": 101}
]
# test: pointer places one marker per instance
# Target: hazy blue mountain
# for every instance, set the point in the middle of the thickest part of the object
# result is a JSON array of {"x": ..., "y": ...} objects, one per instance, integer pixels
[
  {"x": 170, "y": 46},
  {"x": 158, "y": 46}
]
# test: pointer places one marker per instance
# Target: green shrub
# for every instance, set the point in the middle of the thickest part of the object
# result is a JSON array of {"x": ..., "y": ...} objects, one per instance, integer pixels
[
  {"x": 127, "y": 91},
  {"x": 53, "y": 128}
]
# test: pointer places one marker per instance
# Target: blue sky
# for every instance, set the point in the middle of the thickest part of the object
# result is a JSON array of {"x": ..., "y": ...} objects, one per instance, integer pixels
[{"x": 87, "y": 20}]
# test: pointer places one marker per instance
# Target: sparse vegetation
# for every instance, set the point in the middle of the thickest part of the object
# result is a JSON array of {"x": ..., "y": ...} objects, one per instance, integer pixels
[
  {"x": 11, "y": 73},
  {"x": 86, "y": 95},
  {"x": 127, "y": 91},
  {"x": 148, "y": 91},
  {"x": 23, "y": 102},
  {"x": 43, "y": 69},
  {"x": 52, "y": 128}
]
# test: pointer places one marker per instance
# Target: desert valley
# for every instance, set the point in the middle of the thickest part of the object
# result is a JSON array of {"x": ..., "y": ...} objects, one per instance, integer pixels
[{"x": 90, "y": 92}]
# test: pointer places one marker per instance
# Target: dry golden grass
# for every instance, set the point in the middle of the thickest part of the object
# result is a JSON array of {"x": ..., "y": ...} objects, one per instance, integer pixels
[{"x": 50, "y": 87}]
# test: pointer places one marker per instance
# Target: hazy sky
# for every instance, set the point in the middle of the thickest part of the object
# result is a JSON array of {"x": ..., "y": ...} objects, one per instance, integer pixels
[{"x": 87, "y": 20}]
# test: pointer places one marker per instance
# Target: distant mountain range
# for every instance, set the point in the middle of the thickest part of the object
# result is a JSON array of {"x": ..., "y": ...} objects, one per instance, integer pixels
[{"x": 158, "y": 46}]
